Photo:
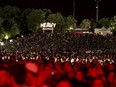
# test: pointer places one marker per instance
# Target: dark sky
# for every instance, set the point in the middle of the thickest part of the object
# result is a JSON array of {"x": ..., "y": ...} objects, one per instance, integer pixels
[{"x": 84, "y": 8}]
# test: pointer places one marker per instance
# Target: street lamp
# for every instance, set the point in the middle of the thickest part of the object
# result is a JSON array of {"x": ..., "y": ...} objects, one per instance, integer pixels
[{"x": 97, "y": 10}]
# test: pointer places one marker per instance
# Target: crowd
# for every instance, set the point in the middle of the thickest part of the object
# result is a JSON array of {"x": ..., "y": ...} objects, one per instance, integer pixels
[
  {"x": 58, "y": 60},
  {"x": 46, "y": 72},
  {"x": 63, "y": 43}
]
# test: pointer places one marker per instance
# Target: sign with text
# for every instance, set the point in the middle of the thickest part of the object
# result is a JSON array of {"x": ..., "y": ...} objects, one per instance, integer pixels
[{"x": 48, "y": 26}]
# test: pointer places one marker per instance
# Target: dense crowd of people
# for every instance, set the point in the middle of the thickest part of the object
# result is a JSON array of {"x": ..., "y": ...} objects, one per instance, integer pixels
[
  {"x": 58, "y": 60},
  {"x": 64, "y": 42},
  {"x": 45, "y": 72}
]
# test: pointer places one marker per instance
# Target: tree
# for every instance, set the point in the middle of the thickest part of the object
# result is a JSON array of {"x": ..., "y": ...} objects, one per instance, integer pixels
[
  {"x": 35, "y": 17},
  {"x": 10, "y": 28},
  {"x": 15, "y": 28},
  {"x": 104, "y": 22},
  {"x": 10, "y": 12},
  {"x": 10, "y": 20},
  {"x": 84, "y": 23},
  {"x": 59, "y": 19},
  {"x": 23, "y": 20},
  {"x": 47, "y": 12},
  {"x": 70, "y": 23},
  {"x": 1, "y": 30},
  {"x": 113, "y": 24}
]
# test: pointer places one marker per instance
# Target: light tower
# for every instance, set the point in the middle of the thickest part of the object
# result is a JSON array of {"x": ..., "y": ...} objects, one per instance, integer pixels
[
  {"x": 74, "y": 8},
  {"x": 74, "y": 4},
  {"x": 97, "y": 10}
]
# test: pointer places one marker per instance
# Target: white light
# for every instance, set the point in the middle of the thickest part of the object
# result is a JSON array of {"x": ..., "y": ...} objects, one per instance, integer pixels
[
  {"x": 8, "y": 57},
  {"x": 72, "y": 60},
  {"x": 2, "y": 58},
  {"x": 22, "y": 36},
  {"x": 37, "y": 57},
  {"x": 77, "y": 59},
  {"x": 93, "y": 57},
  {"x": 17, "y": 43},
  {"x": 86, "y": 60},
  {"x": 110, "y": 62},
  {"x": 16, "y": 60},
  {"x": 55, "y": 60},
  {"x": 67, "y": 59},
  {"x": 108, "y": 59},
  {"x": 11, "y": 40},
  {"x": 47, "y": 58},
  {"x": 2, "y": 43}
]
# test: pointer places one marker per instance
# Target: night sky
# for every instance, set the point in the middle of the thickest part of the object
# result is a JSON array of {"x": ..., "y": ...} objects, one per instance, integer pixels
[{"x": 84, "y": 8}]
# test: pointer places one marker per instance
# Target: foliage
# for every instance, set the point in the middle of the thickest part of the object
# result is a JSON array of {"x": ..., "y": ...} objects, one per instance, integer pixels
[
  {"x": 63, "y": 24},
  {"x": 9, "y": 12},
  {"x": 1, "y": 30},
  {"x": 9, "y": 21},
  {"x": 14, "y": 21},
  {"x": 34, "y": 19},
  {"x": 10, "y": 28},
  {"x": 84, "y": 23},
  {"x": 113, "y": 24},
  {"x": 23, "y": 20},
  {"x": 59, "y": 19},
  {"x": 104, "y": 22},
  {"x": 70, "y": 23}
]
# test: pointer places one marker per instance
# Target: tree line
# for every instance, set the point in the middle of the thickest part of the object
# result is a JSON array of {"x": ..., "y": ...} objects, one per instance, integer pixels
[{"x": 14, "y": 20}]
